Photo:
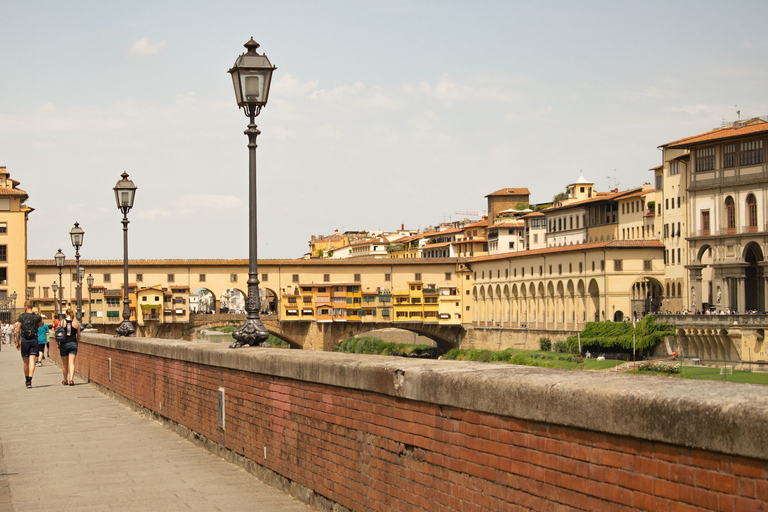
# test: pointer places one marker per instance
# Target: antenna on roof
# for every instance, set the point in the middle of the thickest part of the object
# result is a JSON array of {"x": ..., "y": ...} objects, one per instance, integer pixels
[{"x": 738, "y": 112}]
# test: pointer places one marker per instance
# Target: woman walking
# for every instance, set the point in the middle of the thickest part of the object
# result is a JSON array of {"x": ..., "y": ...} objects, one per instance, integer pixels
[{"x": 68, "y": 348}]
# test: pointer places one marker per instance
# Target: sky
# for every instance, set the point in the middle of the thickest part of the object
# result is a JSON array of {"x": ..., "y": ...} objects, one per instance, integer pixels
[{"x": 381, "y": 113}]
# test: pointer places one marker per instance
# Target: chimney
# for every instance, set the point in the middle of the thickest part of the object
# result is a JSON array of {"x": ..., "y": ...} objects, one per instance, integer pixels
[{"x": 402, "y": 227}]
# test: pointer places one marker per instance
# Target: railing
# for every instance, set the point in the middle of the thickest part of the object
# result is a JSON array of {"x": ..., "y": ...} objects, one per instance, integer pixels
[{"x": 710, "y": 321}]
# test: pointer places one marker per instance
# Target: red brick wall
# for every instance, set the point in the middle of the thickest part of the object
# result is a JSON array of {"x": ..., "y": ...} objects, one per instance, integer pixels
[{"x": 370, "y": 451}]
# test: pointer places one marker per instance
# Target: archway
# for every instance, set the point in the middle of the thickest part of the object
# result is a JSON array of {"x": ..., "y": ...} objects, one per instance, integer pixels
[
  {"x": 205, "y": 302},
  {"x": 753, "y": 277},
  {"x": 268, "y": 300},
  {"x": 709, "y": 298},
  {"x": 618, "y": 316},
  {"x": 594, "y": 301},
  {"x": 232, "y": 301}
]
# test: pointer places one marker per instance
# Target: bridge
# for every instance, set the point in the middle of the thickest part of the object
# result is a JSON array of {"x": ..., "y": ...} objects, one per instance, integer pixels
[
  {"x": 310, "y": 335},
  {"x": 338, "y": 431},
  {"x": 721, "y": 339}
]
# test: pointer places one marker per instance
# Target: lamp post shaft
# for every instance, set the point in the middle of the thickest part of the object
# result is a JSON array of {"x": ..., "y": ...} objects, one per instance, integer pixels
[
  {"x": 89, "y": 325},
  {"x": 79, "y": 313},
  {"x": 61, "y": 294},
  {"x": 126, "y": 328},
  {"x": 253, "y": 331}
]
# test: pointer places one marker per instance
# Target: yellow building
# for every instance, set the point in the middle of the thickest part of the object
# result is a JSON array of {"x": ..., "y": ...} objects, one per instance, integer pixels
[{"x": 13, "y": 246}]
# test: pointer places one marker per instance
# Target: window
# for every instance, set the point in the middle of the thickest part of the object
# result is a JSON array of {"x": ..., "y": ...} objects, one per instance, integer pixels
[
  {"x": 3, "y": 228},
  {"x": 560, "y": 269},
  {"x": 387, "y": 277},
  {"x": 679, "y": 289},
  {"x": 326, "y": 277},
  {"x": 74, "y": 276},
  {"x": 264, "y": 277},
  {"x": 751, "y": 152},
  {"x": 705, "y": 222},
  {"x": 232, "y": 278},
  {"x": 647, "y": 265},
  {"x": 730, "y": 213},
  {"x": 593, "y": 266},
  {"x": 617, "y": 265},
  {"x": 678, "y": 257},
  {"x": 417, "y": 276},
  {"x": 674, "y": 168},
  {"x": 673, "y": 256},
  {"x": 3, "y": 253},
  {"x": 139, "y": 278},
  {"x": 448, "y": 276},
  {"x": 202, "y": 278},
  {"x": 751, "y": 211},
  {"x": 295, "y": 278},
  {"x": 705, "y": 159},
  {"x": 729, "y": 155},
  {"x": 144, "y": 298},
  {"x": 31, "y": 277},
  {"x": 535, "y": 238},
  {"x": 581, "y": 267},
  {"x": 602, "y": 265},
  {"x": 171, "y": 278},
  {"x": 506, "y": 273},
  {"x": 107, "y": 278}
]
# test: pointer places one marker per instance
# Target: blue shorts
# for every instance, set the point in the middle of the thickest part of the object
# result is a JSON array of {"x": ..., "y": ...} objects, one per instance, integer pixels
[
  {"x": 29, "y": 348},
  {"x": 68, "y": 347}
]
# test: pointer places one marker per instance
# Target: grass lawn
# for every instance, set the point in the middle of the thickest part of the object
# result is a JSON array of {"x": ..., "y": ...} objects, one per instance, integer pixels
[{"x": 703, "y": 373}]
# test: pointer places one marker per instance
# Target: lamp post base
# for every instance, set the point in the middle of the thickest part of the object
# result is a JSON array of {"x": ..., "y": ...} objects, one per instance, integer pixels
[
  {"x": 89, "y": 325},
  {"x": 125, "y": 329},
  {"x": 251, "y": 333}
]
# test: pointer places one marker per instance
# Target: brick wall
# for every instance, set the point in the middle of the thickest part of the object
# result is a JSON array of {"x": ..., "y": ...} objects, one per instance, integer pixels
[{"x": 376, "y": 433}]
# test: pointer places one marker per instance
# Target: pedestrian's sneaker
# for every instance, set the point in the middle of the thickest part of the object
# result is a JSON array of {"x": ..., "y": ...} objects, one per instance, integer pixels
[
  {"x": 38, "y": 363},
  {"x": 29, "y": 382}
]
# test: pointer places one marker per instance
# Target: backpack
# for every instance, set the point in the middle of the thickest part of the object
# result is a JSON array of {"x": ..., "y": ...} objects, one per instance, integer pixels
[
  {"x": 29, "y": 327},
  {"x": 60, "y": 334}
]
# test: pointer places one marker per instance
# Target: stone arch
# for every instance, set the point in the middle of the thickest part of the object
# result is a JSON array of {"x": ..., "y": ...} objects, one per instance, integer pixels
[
  {"x": 268, "y": 300},
  {"x": 506, "y": 309},
  {"x": 541, "y": 310},
  {"x": 754, "y": 298},
  {"x": 210, "y": 300},
  {"x": 551, "y": 307},
  {"x": 560, "y": 307},
  {"x": 572, "y": 312},
  {"x": 593, "y": 301},
  {"x": 647, "y": 296},
  {"x": 481, "y": 305},
  {"x": 232, "y": 300}
]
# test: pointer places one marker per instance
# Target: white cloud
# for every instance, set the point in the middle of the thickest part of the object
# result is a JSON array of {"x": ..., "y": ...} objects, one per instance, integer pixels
[
  {"x": 187, "y": 205},
  {"x": 144, "y": 47},
  {"x": 689, "y": 109},
  {"x": 288, "y": 85}
]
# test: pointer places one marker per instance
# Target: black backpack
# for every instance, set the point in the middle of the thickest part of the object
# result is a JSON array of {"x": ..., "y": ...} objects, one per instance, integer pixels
[
  {"x": 29, "y": 326},
  {"x": 60, "y": 334}
]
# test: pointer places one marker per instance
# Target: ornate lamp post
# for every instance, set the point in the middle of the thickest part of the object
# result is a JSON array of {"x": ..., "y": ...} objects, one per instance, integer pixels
[
  {"x": 90, "y": 284},
  {"x": 60, "y": 263},
  {"x": 125, "y": 192},
  {"x": 55, "y": 288},
  {"x": 251, "y": 76},
  {"x": 76, "y": 235}
]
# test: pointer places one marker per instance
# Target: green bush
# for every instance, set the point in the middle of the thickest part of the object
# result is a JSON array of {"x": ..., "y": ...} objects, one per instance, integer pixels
[
  {"x": 372, "y": 345},
  {"x": 659, "y": 368},
  {"x": 545, "y": 344},
  {"x": 227, "y": 328},
  {"x": 617, "y": 336},
  {"x": 561, "y": 346}
]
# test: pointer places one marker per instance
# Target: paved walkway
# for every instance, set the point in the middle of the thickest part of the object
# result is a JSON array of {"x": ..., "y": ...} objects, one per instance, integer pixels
[{"x": 73, "y": 448}]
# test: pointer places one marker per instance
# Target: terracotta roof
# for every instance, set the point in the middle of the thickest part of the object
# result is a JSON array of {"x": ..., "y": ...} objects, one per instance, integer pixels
[
  {"x": 750, "y": 127},
  {"x": 629, "y": 244},
  {"x": 657, "y": 168},
  {"x": 297, "y": 262},
  {"x": 5, "y": 191},
  {"x": 532, "y": 214},
  {"x": 433, "y": 246},
  {"x": 601, "y": 196},
  {"x": 478, "y": 224},
  {"x": 510, "y": 192}
]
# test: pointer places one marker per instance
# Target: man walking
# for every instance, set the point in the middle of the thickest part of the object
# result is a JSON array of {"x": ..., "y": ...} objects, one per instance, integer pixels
[{"x": 26, "y": 339}]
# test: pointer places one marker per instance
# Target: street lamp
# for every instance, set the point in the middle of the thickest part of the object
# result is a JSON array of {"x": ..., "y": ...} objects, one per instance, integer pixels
[
  {"x": 60, "y": 263},
  {"x": 125, "y": 192},
  {"x": 90, "y": 284},
  {"x": 251, "y": 76},
  {"x": 76, "y": 235}
]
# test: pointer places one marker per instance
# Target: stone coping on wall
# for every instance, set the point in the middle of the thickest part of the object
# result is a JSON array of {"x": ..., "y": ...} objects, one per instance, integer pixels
[{"x": 721, "y": 417}]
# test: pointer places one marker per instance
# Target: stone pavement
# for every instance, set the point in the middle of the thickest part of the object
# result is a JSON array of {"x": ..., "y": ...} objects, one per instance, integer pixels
[{"x": 74, "y": 448}]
